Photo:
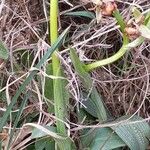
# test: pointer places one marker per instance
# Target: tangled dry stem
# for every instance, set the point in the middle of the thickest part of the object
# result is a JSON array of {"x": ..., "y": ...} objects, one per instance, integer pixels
[{"x": 124, "y": 85}]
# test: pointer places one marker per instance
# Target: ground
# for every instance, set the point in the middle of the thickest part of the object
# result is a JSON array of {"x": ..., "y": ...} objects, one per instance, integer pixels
[{"x": 24, "y": 30}]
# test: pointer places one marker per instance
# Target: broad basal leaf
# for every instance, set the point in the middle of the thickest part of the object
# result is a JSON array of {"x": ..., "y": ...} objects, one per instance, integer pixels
[
  {"x": 106, "y": 139},
  {"x": 37, "y": 133},
  {"x": 95, "y": 100},
  {"x": 45, "y": 144},
  {"x": 135, "y": 135}
]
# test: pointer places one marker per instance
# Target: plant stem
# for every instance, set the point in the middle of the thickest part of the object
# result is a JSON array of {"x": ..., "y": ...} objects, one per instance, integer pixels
[
  {"x": 120, "y": 53},
  {"x": 111, "y": 59},
  {"x": 60, "y": 99},
  {"x": 54, "y": 33},
  {"x": 125, "y": 47},
  {"x": 59, "y": 113}
]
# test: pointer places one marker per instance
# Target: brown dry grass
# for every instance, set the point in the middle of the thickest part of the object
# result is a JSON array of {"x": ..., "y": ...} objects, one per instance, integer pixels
[{"x": 124, "y": 84}]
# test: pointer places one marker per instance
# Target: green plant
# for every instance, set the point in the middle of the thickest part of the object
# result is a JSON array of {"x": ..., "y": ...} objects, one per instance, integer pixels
[
  {"x": 22, "y": 88},
  {"x": 127, "y": 131},
  {"x": 126, "y": 45},
  {"x": 59, "y": 93},
  {"x": 3, "y": 51},
  {"x": 135, "y": 136}
]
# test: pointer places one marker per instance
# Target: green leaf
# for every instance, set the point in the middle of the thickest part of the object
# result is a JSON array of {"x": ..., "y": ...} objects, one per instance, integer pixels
[
  {"x": 50, "y": 145},
  {"x": 65, "y": 91},
  {"x": 31, "y": 147},
  {"x": 48, "y": 88},
  {"x": 120, "y": 20},
  {"x": 135, "y": 135},
  {"x": 128, "y": 133},
  {"x": 40, "y": 144},
  {"x": 147, "y": 19},
  {"x": 17, "y": 119},
  {"x": 3, "y": 51},
  {"x": 90, "y": 104},
  {"x": 145, "y": 31},
  {"x": 3, "y": 97},
  {"x": 1, "y": 145},
  {"x": 87, "y": 137},
  {"x": 87, "y": 14},
  {"x": 37, "y": 133},
  {"x": 106, "y": 139},
  {"x": 82, "y": 114},
  {"x": 30, "y": 77},
  {"x": 61, "y": 141},
  {"x": 137, "y": 14},
  {"x": 44, "y": 144},
  {"x": 95, "y": 99},
  {"x": 61, "y": 98}
]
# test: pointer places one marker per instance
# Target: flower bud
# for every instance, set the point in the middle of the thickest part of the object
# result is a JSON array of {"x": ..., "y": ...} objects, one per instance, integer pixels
[{"x": 108, "y": 8}]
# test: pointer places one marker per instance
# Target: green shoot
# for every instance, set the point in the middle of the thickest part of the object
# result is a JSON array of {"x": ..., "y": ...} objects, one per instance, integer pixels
[{"x": 58, "y": 86}]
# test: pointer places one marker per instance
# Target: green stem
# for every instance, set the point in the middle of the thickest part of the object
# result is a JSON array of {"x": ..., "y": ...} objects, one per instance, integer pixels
[
  {"x": 111, "y": 59},
  {"x": 125, "y": 47},
  {"x": 58, "y": 107},
  {"x": 54, "y": 33},
  {"x": 58, "y": 84},
  {"x": 120, "y": 53},
  {"x": 59, "y": 94}
]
